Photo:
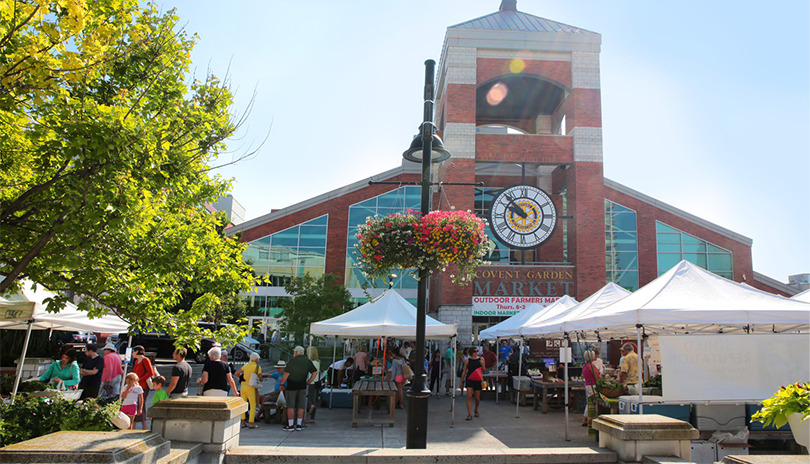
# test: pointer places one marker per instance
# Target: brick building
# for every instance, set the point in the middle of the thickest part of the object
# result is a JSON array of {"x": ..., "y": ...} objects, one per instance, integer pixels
[{"x": 518, "y": 101}]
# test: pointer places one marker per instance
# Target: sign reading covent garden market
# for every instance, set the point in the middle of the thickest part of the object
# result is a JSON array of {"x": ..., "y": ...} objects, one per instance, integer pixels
[{"x": 504, "y": 292}]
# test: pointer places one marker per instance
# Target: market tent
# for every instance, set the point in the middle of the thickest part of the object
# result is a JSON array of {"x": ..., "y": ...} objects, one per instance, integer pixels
[
  {"x": 390, "y": 315},
  {"x": 32, "y": 302},
  {"x": 803, "y": 296},
  {"x": 535, "y": 312},
  {"x": 605, "y": 296},
  {"x": 27, "y": 310},
  {"x": 688, "y": 298}
]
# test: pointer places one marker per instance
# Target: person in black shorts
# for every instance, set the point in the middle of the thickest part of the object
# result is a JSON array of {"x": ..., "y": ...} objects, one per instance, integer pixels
[{"x": 473, "y": 374}]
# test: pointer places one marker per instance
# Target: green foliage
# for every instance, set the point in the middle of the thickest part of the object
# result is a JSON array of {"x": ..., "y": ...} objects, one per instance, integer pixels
[
  {"x": 313, "y": 299},
  {"x": 794, "y": 398},
  {"x": 106, "y": 148},
  {"x": 608, "y": 384},
  {"x": 32, "y": 417},
  {"x": 654, "y": 382},
  {"x": 7, "y": 385}
]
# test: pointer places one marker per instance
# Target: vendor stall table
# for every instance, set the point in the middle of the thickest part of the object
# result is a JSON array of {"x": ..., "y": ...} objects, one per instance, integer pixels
[
  {"x": 373, "y": 388},
  {"x": 497, "y": 379},
  {"x": 544, "y": 387}
]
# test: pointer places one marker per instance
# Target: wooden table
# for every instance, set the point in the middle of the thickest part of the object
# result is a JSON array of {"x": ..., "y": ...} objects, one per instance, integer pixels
[
  {"x": 373, "y": 388},
  {"x": 546, "y": 386},
  {"x": 494, "y": 378}
]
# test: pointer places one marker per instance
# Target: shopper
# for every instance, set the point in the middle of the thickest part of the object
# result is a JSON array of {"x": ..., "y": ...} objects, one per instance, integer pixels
[
  {"x": 473, "y": 375},
  {"x": 629, "y": 369},
  {"x": 296, "y": 382},
  {"x": 591, "y": 374},
  {"x": 436, "y": 368},
  {"x": 216, "y": 375},
  {"x": 113, "y": 373},
  {"x": 63, "y": 374},
  {"x": 143, "y": 368},
  {"x": 248, "y": 393},
  {"x": 314, "y": 389},
  {"x": 181, "y": 375},
  {"x": 398, "y": 377},
  {"x": 91, "y": 371},
  {"x": 360, "y": 363}
]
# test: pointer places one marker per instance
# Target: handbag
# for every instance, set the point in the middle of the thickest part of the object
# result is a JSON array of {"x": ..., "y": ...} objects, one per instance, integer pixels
[
  {"x": 407, "y": 372},
  {"x": 254, "y": 381},
  {"x": 484, "y": 385}
]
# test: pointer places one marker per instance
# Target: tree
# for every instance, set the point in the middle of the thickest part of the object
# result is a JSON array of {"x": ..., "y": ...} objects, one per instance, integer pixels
[
  {"x": 313, "y": 299},
  {"x": 106, "y": 148}
]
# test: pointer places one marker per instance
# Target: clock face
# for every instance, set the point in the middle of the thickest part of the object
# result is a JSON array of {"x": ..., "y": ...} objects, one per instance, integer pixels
[{"x": 523, "y": 216}]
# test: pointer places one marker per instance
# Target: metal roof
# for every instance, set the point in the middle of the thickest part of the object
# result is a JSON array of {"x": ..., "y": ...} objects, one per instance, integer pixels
[{"x": 509, "y": 19}]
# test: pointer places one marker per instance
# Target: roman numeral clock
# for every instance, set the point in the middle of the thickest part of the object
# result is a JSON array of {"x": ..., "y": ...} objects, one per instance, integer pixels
[{"x": 523, "y": 216}]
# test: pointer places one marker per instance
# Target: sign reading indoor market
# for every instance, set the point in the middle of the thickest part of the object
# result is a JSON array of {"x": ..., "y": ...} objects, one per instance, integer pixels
[{"x": 505, "y": 291}]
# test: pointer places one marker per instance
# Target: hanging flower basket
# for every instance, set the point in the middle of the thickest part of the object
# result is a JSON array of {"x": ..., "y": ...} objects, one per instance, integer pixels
[{"x": 431, "y": 243}]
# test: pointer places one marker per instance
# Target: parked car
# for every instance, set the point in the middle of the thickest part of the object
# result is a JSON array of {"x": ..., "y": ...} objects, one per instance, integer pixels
[
  {"x": 78, "y": 338},
  {"x": 239, "y": 352}
]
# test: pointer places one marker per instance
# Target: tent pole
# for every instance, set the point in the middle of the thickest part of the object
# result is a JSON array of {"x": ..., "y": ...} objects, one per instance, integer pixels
[
  {"x": 567, "y": 340},
  {"x": 639, "y": 385},
  {"x": 332, "y": 376},
  {"x": 453, "y": 383},
  {"x": 520, "y": 372},
  {"x": 126, "y": 366},
  {"x": 22, "y": 360}
]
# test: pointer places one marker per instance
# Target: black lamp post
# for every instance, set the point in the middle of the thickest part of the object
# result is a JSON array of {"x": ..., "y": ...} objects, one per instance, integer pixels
[{"x": 425, "y": 148}]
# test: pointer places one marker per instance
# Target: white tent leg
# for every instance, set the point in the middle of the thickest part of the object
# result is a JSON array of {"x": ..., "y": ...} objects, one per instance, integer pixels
[
  {"x": 126, "y": 366},
  {"x": 22, "y": 360},
  {"x": 566, "y": 395},
  {"x": 640, "y": 355},
  {"x": 520, "y": 371},
  {"x": 332, "y": 376},
  {"x": 453, "y": 384}
]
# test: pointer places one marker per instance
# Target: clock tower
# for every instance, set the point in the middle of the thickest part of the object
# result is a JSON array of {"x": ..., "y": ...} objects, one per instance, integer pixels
[{"x": 518, "y": 102}]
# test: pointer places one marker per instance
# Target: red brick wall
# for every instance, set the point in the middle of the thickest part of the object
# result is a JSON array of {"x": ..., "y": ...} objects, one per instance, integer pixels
[
  {"x": 490, "y": 68},
  {"x": 647, "y": 215},
  {"x": 586, "y": 231},
  {"x": 583, "y": 107},
  {"x": 338, "y": 210},
  {"x": 460, "y": 103},
  {"x": 542, "y": 148}
]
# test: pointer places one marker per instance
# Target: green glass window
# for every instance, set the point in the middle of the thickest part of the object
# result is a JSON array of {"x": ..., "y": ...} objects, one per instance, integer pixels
[
  {"x": 674, "y": 245},
  {"x": 290, "y": 253},
  {"x": 621, "y": 245},
  {"x": 399, "y": 200}
]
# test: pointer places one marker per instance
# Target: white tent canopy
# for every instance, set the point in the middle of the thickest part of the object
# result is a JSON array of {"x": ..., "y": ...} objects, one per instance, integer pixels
[
  {"x": 69, "y": 318},
  {"x": 390, "y": 315},
  {"x": 803, "y": 296},
  {"x": 688, "y": 298},
  {"x": 535, "y": 312},
  {"x": 605, "y": 296}
]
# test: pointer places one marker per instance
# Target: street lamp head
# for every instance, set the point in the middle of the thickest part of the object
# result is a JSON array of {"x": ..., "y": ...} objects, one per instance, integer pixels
[{"x": 437, "y": 154}]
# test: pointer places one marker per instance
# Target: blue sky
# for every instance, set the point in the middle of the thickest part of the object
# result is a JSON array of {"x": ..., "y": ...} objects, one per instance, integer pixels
[{"x": 706, "y": 105}]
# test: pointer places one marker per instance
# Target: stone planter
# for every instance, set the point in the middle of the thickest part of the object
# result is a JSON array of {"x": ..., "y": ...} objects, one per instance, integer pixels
[{"x": 800, "y": 429}]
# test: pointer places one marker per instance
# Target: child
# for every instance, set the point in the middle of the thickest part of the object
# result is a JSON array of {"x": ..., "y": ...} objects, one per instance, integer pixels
[
  {"x": 132, "y": 398},
  {"x": 158, "y": 382}
]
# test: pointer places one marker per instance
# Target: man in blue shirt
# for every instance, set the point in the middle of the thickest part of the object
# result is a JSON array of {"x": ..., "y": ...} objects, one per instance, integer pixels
[
  {"x": 504, "y": 351},
  {"x": 281, "y": 366}
]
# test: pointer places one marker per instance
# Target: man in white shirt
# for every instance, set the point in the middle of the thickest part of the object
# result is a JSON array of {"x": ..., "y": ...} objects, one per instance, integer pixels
[
  {"x": 597, "y": 363},
  {"x": 337, "y": 369}
]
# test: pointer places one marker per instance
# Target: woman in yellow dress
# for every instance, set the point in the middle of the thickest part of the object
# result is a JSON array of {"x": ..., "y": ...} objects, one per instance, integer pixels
[{"x": 248, "y": 393}]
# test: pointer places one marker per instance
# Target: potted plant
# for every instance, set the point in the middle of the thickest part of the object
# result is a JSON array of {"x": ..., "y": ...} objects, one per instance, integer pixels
[
  {"x": 414, "y": 242},
  {"x": 790, "y": 404}
]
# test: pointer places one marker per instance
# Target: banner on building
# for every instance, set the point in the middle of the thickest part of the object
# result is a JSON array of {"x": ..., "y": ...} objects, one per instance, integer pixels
[{"x": 506, "y": 306}]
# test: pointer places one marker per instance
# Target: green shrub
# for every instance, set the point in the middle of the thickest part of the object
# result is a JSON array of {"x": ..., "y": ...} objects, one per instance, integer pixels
[
  {"x": 32, "y": 417},
  {"x": 7, "y": 385}
]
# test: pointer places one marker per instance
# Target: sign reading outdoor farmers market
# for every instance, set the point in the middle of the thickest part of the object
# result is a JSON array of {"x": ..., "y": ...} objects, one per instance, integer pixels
[
  {"x": 507, "y": 305},
  {"x": 506, "y": 290}
]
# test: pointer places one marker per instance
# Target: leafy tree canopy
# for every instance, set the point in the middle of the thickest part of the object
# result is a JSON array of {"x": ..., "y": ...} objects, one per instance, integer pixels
[
  {"x": 106, "y": 148},
  {"x": 313, "y": 299}
]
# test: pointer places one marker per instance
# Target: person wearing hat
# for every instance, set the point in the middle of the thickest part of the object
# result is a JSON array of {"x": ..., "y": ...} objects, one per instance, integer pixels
[
  {"x": 92, "y": 369},
  {"x": 300, "y": 373},
  {"x": 278, "y": 375},
  {"x": 112, "y": 374}
]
